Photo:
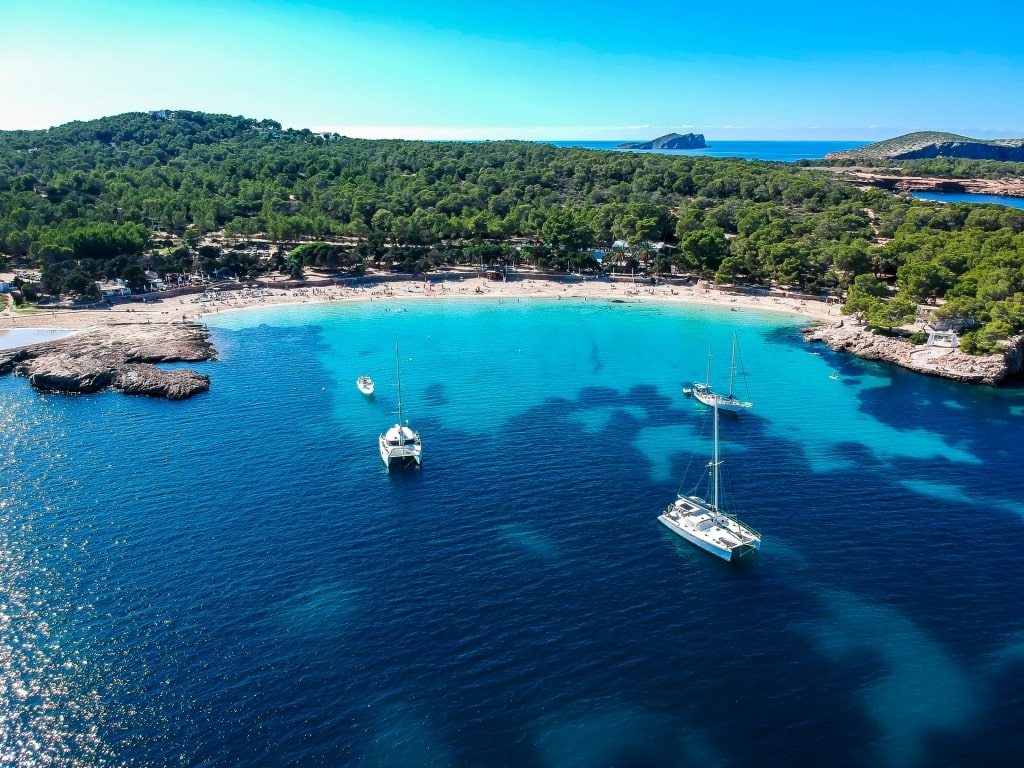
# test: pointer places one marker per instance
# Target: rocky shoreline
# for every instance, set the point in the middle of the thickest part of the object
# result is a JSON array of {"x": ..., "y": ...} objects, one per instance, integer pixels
[
  {"x": 119, "y": 357},
  {"x": 1010, "y": 187},
  {"x": 934, "y": 361}
]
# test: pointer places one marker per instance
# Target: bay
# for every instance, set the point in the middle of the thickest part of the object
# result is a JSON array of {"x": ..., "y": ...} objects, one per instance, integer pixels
[
  {"x": 234, "y": 580},
  {"x": 957, "y": 197}
]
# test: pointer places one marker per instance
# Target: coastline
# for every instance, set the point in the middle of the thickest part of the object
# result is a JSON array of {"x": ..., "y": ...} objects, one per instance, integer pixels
[
  {"x": 171, "y": 328},
  {"x": 192, "y": 307},
  {"x": 874, "y": 177}
]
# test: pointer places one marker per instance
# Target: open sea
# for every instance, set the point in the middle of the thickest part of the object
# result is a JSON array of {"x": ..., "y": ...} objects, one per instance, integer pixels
[
  {"x": 779, "y": 151},
  {"x": 234, "y": 580}
]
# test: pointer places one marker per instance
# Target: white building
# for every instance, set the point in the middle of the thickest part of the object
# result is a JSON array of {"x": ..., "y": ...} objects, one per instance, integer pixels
[
  {"x": 111, "y": 289},
  {"x": 943, "y": 339}
]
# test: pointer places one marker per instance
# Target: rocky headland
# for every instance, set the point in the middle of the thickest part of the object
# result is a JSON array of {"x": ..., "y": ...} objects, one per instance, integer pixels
[
  {"x": 944, "y": 362},
  {"x": 669, "y": 141},
  {"x": 120, "y": 357},
  {"x": 924, "y": 145}
]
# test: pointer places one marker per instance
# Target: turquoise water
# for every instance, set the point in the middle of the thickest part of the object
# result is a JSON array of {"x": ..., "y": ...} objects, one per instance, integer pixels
[
  {"x": 955, "y": 197},
  {"x": 235, "y": 580}
]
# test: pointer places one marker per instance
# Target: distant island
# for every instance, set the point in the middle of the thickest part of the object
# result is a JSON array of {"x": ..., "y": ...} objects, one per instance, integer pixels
[
  {"x": 669, "y": 141},
  {"x": 924, "y": 145}
]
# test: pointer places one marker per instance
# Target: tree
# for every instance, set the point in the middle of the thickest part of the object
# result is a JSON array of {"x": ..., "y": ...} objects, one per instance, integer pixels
[
  {"x": 566, "y": 230},
  {"x": 383, "y": 221},
  {"x": 730, "y": 267},
  {"x": 295, "y": 269},
  {"x": 960, "y": 311},
  {"x": 865, "y": 296},
  {"x": 704, "y": 249},
  {"x": 868, "y": 285},
  {"x": 851, "y": 259},
  {"x": 790, "y": 272},
  {"x": 895, "y": 312},
  {"x": 923, "y": 280},
  {"x": 134, "y": 276}
]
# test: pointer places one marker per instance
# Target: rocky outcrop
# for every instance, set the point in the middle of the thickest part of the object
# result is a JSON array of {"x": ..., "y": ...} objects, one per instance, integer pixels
[
  {"x": 929, "y": 144},
  {"x": 117, "y": 356},
  {"x": 145, "y": 379},
  {"x": 669, "y": 141},
  {"x": 935, "y": 361},
  {"x": 1011, "y": 187}
]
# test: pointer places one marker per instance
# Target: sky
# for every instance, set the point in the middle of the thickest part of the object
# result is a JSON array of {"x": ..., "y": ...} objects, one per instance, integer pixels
[{"x": 530, "y": 69}]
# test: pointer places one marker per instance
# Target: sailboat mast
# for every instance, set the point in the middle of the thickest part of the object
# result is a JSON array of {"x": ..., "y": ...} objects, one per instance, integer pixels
[
  {"x": 715, "y": 462},
  {"x": 398, "y": 369},
  {"x": 707, "y": 373},
  {"x": 732, "y": 368}
]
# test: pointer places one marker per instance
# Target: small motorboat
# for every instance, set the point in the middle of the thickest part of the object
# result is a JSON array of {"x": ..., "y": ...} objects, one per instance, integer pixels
[{"x": 365, "y": 384}]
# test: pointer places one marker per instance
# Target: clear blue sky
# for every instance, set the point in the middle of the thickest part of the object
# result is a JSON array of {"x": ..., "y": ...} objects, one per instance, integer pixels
[{"x": 526, "y": 69}]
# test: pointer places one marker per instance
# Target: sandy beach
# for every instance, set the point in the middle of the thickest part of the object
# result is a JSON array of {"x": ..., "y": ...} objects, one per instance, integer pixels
[{"x": 194, "y": 306}]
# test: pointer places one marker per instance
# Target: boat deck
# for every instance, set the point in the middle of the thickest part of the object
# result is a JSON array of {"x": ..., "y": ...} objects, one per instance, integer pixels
[{"x": 715, "y": 528}]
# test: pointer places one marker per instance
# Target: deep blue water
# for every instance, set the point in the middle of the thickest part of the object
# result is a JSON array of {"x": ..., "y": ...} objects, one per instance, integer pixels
[
  {"x": 780, "y": 151},
  {"x": 234, "y": 580},
  {"x": 956, "y": 197}
]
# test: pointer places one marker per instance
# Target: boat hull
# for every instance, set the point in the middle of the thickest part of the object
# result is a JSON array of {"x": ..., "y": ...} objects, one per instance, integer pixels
[
  {"x": 400, "y": 447},
  {"x": 400, "y": 462},
  {"x": 725, "y": 402},
  {"x": 721, "y": 535}
]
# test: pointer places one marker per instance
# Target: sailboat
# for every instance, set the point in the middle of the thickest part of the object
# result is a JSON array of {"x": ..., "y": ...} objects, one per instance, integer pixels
[
  {"x": 706, "y": 395},
  {"x": 400, "y": 445},
  {"x": 703, "y": 522}
]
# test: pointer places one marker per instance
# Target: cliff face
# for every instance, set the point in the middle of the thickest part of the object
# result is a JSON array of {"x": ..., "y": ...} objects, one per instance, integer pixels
[
  {"x": 669, "y": 141},
  {"x": 119, "y": 357},
  {"x": 929, "y": 144},
  {"x": 966, "y": 150}
]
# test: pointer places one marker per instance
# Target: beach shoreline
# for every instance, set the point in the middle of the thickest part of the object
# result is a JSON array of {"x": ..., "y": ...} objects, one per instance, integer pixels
[
  {"x": 178, "y": 311},
  {"x": 194, "y": 306}
]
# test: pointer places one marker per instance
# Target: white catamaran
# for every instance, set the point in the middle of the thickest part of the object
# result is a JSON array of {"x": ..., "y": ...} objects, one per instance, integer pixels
[
  {"x": 706, "y": 395},
  {"x": 703, "y": 522},
  {"x": 400, "y": 445}
]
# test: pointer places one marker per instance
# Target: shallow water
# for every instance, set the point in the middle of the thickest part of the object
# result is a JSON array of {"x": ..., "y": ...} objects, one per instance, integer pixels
[{"x": 11, "y": 338}]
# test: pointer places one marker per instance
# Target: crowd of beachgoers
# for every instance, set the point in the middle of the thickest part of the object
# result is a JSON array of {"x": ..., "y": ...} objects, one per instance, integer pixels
[{"x": 192, "y": 306}]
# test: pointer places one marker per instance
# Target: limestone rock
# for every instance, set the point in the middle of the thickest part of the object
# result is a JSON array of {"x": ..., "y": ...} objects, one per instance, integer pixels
[
  {"x": 117, "y": 356},
  {"x": 58, "y": 372},
  {"x": 934, "y": 361},
  {"x": 145, "y": 379}
]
